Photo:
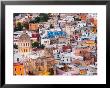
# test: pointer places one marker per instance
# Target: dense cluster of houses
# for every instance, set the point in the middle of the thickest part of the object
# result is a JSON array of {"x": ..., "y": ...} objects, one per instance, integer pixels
[{"x": 55, "y": 44}]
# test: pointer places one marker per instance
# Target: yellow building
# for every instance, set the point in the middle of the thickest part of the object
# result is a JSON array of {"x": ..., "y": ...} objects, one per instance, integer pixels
[
  {"x": 18, "y": 69},
  {"x": 33, "y": 26},
  {"x": 89, "y": 43},
  {"x": 24, "y": 44}
]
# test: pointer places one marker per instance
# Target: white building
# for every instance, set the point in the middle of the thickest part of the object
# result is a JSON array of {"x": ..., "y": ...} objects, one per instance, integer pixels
[
  {"x": 16, "y": 36},
  {"x": 66, "y": 58},
  {"x": 81, "y": 24},
  {"x": 91, "y": 71},
  {"x": 69, "y": 18},
  {"x": 45, "y": 42},
  {"x": 36, "y": 54},
  {"x": 15, "y": 41},
  {"x": 17, "y": 57},
  {"x": 57, "y": 29},
  {"x": 92, "y": 15}
]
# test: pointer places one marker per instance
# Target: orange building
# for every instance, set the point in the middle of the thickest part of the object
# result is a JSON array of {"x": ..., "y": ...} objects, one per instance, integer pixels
[
  {"x": 94, "y": 30},
  {"x": 94, "y": 21},
  {"x": 18, "y": 69},
  {"x": 33, "y": 26},
  {"x": 83, "y": 17},
  {"x": 83, "y": 72}
]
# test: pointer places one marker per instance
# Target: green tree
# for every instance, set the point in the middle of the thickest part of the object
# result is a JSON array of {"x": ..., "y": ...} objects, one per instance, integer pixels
[
  {"x": 45, "y": 16},
  {"x": 42, "y": 46},
  {"x": 35, "y": 44},
  {"x": 19, "y": 26},
  {"x": 37, "y": 19},
  {"x": 42, "y": 19},
  {"x": 32, "y": 21}
]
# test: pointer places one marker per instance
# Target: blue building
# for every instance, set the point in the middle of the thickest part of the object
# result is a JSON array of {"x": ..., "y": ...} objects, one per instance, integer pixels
[{"x": 54, "y": 34}]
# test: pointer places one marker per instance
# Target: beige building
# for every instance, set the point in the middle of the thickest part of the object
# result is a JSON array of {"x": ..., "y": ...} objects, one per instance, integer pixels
[
  {"x": 24, "y": 44},
  {"x": 62, "y": 40},
  {"x": 39, "y": 66},
  {"x": 69, "y": 29}
]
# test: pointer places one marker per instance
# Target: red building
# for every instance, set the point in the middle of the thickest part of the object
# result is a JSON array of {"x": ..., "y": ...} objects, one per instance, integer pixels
[
  {"x": 35, "y": 36},
  {"x": 66, "y": 48}
]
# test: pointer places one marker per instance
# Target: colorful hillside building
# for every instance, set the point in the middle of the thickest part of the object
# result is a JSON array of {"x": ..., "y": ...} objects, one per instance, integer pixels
[
  {"x": 33, "y": 26},
  {"x": 18, "y": 69},
  {"x": 24, "y": 44}
]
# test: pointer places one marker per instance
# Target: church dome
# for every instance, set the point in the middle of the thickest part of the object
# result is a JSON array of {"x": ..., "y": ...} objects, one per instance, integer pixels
[{"x": 24, "y": 37}]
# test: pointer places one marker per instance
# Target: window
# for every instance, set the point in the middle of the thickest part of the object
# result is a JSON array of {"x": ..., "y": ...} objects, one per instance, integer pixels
[
  {"x": 15, "y": 69},
  {"x": 45, "y": 41},
  {"x": 17, "y": 59},
  {"x": 26, "y": 50},
  {"x": 24, "y": 44},
  {"x": 20, "y": 69}
]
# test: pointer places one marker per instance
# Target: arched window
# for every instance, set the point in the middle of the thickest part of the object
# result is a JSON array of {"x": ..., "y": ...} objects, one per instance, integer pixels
[
  {"x": 20, "y": 69},
  {"x": 24, "y": 44},
  {"x": 15, "y": 69},
  {"x": 26, "y": 50},
  {"x": 21, "y": 50}
]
